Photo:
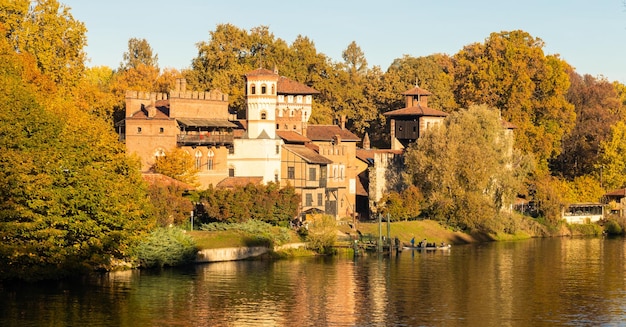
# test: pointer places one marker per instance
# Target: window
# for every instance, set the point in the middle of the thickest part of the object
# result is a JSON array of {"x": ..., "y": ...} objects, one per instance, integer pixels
[
  {"x": 263, "y": 115},
  {"x": 276, "y": 178},
  {"x": 320, "y": 199},
  {"x": 263, "y": 89},
  {"x": 277, "y": 126},
  {"x": 291, "y": 172},
  {"x": 209, "y": 162},
  {"x": 294, "y": 127},
  {"x": 312, "y": 174},
  {"x": 299, "y": 99},
  {"x": 277, "y": 148},
  {"x": 253, "y": 89},
  {"x": 272, "y": 88},
  {"x": 231, "y": 150},
  {"x": 290, "y": 98},
  {"x": 138, "y": 130},
  {"x": 341, "y": 172},
  {"x": 198, "y": 160},
  {"x": 161, "y": 130},
  {"x": 309, "y": 200},
  {"x": 231, "y": 172}
]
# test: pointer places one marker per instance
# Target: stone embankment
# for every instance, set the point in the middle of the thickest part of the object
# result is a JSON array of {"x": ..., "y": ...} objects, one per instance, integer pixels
[{"x": 240, "y": 253}]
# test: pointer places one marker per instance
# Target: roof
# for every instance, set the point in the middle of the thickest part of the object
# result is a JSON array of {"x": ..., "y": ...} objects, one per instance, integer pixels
[
  {"x": 307, "y": 154},
  {"x": 205, "y": 122},
  {"x": 232, "y": 182},
  {"x": 287, "y": 86},
  {"x": 260, "y": 72},
  {"x": 360, "y": 188},
  {"x": 418, "y": 110},
  {"x": 417, "y": 91},
  {"x": 160, "y": 179},
  {"x": 292, "y": 137},
  {"x": 328, "y": 132},
  {"x": 508, "y": 125},
  {"x": 284, "y": 85},
  {"x": 617, "y": 193},
  {"x": 367, "y": 156}
]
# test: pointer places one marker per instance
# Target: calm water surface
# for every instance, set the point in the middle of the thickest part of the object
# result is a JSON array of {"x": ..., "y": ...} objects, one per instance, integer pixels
[{"x": 546, "y": 282}]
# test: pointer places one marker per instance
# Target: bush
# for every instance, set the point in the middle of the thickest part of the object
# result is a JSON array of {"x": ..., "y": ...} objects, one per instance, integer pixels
[
  {"x": 586, "y": 229},
  {"x": 322, "y": 233},
  {"x": 612, "y": 227},
  {"x": 166, "y": 247}
]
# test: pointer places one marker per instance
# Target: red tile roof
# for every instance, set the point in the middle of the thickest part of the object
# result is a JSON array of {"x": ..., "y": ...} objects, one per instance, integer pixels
[
  {"x": 292, "y": 137},
  {"x": 416, "y": 111},
  {"x": 621, "y": 192},
  {"x": 328, "y": 132},
  {"x": 287, "y": 86},
  {"x": 417, "y": 91},
  {"x": 260, "y": 72},
  {"x": 160, "y": 179}
]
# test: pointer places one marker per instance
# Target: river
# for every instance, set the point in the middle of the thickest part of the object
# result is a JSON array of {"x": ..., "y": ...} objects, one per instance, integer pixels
[{"x": 538, "y": 282}]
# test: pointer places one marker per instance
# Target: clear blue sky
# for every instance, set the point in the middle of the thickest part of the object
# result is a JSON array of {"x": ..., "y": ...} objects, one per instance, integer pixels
[{"x": 589, "y": 35}]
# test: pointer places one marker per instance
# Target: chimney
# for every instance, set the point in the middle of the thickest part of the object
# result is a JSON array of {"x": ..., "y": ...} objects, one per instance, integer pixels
[
  {"x": 342, "y": 122},
  {"x": 183, "y": 85}
]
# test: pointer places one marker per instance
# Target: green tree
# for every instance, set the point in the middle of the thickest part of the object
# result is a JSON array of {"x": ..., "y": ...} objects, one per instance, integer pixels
[
  {"x": 139, "y": 53},
  {"x": 466, "y": 169},
  {"x": 48, "y": 32},
  {"x": 509, "y": 71},
  {"x": 71, "y": 199}
]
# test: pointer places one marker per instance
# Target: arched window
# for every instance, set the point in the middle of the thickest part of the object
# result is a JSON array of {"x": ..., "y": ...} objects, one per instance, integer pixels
[
  {"x": 253, "y": 89},
  {"x": 272, "y": 88},
  {"x": 263, "y": 89},
  {"x": 263, "y": 115},
  {"x": 198, "y": 160},
  {"x": 209, "y": 162}
]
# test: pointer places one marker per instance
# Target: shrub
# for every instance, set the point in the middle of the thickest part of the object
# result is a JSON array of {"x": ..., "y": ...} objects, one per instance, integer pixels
[
  {"x": 612, "y": 227},
  {"x": 166, "y": 247},
  {"x": 322, "y": 233}
]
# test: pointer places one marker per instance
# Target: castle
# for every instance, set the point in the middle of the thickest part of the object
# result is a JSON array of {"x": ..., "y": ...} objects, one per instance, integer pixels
[{"x": 274, "y": 143}]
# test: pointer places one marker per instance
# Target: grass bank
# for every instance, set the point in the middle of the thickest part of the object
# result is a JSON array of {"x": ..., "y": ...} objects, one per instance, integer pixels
[{"x": 420, "y": 229}]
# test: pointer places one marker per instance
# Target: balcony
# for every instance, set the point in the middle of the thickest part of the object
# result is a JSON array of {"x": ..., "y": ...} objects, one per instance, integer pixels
[{"x": 204, "y": 139}]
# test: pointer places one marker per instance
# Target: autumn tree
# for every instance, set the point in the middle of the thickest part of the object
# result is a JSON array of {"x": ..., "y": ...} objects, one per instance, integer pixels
[
  {"x": 48, "y": 31},
  {"x": 467, "y": 169},
  {"x": 178, "y": 164},
  {"x": 71, "y": 199},
  {"x": 509, "y": 71},
  {"x": 612, "y": 163},
  {"x": 597, "y": 108}
]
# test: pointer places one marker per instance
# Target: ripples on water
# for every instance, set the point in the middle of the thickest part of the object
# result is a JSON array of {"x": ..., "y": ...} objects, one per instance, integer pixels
[{"x": 571, "y": 282}]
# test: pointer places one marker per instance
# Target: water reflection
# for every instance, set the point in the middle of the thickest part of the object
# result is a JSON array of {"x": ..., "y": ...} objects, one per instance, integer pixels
[{"x": 535, "y": 282}]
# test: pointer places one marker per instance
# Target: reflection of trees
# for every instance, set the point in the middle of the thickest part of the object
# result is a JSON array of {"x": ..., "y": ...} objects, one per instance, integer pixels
[{"x": 504, "y": 283}]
